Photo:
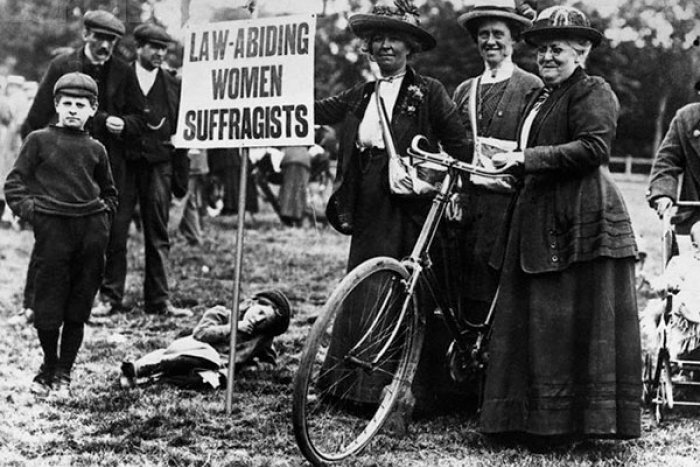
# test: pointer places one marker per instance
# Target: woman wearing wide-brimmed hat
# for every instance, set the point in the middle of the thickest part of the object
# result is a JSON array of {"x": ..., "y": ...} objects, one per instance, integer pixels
[
  {"x": 492, "y": 102},
  {"x": 381, "y": 223},
  {"x": 565, "y": 351}
]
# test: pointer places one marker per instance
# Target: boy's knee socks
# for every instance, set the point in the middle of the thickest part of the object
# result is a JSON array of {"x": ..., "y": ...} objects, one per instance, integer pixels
[
  {"x": 48, "y": 338},
  {"x": 71, "y": 340}
]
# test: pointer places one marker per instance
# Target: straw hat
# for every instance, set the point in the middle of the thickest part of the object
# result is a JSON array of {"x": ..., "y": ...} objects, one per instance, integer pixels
[
  {"x": 403, "y": 17},
  {"x": 506, "y": 10},
  {"x": 558, "y": 21}
]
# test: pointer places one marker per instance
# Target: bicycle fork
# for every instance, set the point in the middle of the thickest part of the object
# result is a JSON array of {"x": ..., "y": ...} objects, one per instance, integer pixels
[{"x": 409, "y": 286}]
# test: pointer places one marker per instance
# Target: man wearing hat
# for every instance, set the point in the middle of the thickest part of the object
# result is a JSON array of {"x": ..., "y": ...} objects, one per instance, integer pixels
[
  {"x": 147, "y": 177},
  {"x": 678, "y": 155},
  {"x": 201, "y": 355},
  {"x": 490, "y": 106},
  {"x": 62, "y": 185},
  {"x": 119, "y": 117}
]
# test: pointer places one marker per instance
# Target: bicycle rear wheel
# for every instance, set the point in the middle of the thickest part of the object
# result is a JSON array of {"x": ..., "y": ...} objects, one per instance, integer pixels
[{"x": 361, "y": 352}]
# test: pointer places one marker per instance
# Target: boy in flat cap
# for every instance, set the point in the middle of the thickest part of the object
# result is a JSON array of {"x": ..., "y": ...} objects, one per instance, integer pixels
[
  {"x": 62, "y": 185},
  {"x": 119, "y": 118},
  {"x": 149, "y": 174}
]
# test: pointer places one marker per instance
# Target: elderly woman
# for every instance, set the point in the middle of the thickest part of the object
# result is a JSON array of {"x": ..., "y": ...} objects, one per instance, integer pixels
[
  {"x": 565, "y": 350},
  {"x": 381, "y": 223},
  {"x": 492, "y": 102}
]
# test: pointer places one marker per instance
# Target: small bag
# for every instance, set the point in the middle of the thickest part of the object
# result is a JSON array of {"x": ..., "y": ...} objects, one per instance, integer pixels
[
  {"x": 485, "y": 148},
  {"x": 406, "y": 179}
]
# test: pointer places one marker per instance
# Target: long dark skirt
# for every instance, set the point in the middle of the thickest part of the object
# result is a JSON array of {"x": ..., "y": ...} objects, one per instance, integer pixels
[
  {"x": 295, "y": 182},
  {"x": 386, "y": 225},
  {"x": 565, "y": 352},
  {"x": 485, "y": 213}
]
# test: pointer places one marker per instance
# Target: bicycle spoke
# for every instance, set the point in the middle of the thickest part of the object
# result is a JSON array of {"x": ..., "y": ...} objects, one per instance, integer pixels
[{"x": 358, "y": 364}]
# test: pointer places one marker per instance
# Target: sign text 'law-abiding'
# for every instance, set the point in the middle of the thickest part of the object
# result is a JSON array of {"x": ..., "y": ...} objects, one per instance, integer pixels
[{"x": 244, "y": 85}]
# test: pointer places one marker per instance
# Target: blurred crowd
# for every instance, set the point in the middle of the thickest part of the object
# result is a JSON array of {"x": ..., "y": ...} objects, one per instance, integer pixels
[
  {"x": 16, "y": 95},
  {"x": 296, "y": 181}
]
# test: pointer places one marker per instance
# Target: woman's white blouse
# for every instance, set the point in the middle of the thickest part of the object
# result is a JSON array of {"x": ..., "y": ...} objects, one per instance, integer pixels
[{"x": 370, "y": 131}]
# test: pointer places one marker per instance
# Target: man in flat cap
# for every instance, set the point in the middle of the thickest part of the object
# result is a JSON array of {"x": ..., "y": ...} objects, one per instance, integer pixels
[
  {"x": 148, "y": 177},
  {"x": 119, "y": 118}
]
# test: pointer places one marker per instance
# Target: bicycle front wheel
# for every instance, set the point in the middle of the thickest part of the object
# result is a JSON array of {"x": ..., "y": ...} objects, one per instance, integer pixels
[{"x": 361, "y": 352}]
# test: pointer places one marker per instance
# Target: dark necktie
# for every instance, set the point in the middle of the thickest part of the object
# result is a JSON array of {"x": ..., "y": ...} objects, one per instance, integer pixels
[{"x": 541, "y": 99}]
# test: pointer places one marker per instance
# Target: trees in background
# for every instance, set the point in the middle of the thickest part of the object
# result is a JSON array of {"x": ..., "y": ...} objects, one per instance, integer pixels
[
  {"x": 34, "y": 31},
  {"x": 651, "y": 63}
]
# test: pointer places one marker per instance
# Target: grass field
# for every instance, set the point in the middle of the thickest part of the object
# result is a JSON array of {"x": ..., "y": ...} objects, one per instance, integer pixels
[{"x": 160, "y": 425}]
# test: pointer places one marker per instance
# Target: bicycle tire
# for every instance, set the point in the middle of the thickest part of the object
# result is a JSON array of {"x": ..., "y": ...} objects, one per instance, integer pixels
[{"x": 328, "y": 425}]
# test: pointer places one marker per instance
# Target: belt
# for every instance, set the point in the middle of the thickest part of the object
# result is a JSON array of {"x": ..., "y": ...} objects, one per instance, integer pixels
[
  {"x": 372, "y": 151},
  {"x": 367, "y": 155}
]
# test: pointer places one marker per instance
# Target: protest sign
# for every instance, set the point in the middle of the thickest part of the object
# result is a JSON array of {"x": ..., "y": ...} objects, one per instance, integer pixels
[{"x": 248, "y": 83}]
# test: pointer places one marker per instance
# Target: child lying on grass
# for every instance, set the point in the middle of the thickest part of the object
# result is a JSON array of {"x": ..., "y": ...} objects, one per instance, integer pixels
[{"x": 200, "y": 356}]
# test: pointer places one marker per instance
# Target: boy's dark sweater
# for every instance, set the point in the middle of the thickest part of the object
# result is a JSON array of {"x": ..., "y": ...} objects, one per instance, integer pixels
[{"x": 63, "y": 172}]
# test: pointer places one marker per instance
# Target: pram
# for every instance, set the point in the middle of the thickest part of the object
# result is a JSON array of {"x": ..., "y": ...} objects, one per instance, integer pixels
[{"x": 671, "y": 376}]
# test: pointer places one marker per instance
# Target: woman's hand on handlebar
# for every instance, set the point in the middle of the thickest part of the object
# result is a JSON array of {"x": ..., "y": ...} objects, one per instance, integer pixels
[
  {"x": 506, "y": 158},
  {"x": 662, "y": 204}
]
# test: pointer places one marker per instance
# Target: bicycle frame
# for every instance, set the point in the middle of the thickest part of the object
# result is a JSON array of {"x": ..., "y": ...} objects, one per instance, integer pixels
[
  {"x": 419, "y": 264},
  {"x": 419, "y": 260},
  {"x": 389, "y": 339}
]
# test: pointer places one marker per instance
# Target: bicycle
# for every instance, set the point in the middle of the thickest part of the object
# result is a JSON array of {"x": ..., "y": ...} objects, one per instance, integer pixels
[{"x": 383, "y": 292}]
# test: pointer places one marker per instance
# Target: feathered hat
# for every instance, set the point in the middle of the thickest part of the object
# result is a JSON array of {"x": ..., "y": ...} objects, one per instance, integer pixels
[{"x": 403, "y": 16}]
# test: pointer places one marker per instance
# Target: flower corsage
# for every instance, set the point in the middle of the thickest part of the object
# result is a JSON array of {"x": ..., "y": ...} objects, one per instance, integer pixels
[{"x": 412, "y": 100}]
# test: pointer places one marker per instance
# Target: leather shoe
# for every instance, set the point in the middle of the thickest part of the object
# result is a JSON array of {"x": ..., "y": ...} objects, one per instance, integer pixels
[
  {"x": 168, "y": 309},
  {"x": 104, "y": 307}
]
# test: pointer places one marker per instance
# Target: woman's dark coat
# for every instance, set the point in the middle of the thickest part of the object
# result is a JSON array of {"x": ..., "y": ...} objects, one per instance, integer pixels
[
  {"x": 382, "y": 224},
  {"x": 575, "y": 212},
  {"x": 436, "y": 118},
  {"x": 564, "y": 350}
]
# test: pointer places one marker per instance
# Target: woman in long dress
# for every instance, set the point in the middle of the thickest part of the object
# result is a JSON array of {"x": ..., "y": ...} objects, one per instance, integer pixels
[
  {"x": 565, "y": 351},
  {"x": 381, "y": 223}
]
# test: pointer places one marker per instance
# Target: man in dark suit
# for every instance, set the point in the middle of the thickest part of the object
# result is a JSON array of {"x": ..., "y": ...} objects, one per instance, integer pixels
[
  {"x": 148, "y": 176},
  {"x": 119, "y": 118},
  {"x": 678, "y": 155}
]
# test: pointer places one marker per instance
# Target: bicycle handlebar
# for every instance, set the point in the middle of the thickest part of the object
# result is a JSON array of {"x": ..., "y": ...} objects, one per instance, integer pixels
[{"x": 445, "y": 160}]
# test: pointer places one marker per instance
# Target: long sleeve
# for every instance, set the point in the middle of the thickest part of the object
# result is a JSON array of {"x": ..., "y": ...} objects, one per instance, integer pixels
[
  {"x": 447, "y": 123},
  {"x": 108, "y": 191},
  {"x": 133, "y": 113},
  {"x": 592, "y": 121},
  {"x": 214, "y": 327},
  {"x": 669, "y": 163},
  {"x": 333, "y": 109}
]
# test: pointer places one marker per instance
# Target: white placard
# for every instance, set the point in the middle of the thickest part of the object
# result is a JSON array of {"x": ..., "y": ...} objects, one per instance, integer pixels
[{"x": 248, "y": 83}]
